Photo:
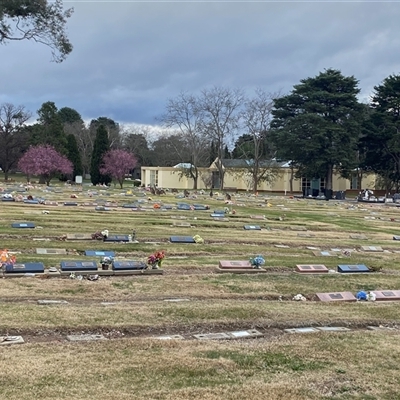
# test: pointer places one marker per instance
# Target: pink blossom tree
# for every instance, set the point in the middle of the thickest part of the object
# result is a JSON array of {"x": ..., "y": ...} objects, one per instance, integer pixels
[
  {"x": 117, "y": 163},
  {"x": 46, "y": 161}
]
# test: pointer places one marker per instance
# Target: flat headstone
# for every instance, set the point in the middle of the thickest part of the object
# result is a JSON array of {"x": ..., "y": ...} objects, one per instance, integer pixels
[
  {"x": 52, "y": 302},
  {"x": 221, "y": 218},
  {"x": 7, "y": 199},
  {"x": 99, "y": 253},
  {"x": 348, "y": 269},
  {"x": 358, "y": 236},
  {"x": 182, "y": 224},
  {"x": 252, "y": 227},
  {"x": 297, "y": 228},
  {"x": 200, "y": 207},
  {"x": 176, "y": 300},
  {"x": 219, "y": 212},
  {"x": 301, "y": 330},
  {"x": 336, "y": 296},
  {"x": 9, "y": 340},
  {"x": 212, "y": 336},
  {"x": 70, "y": 203},
  {"x": 85, "y": 338},
  {"x": 282, "y": 246},
  {"x": 181, "y": 239},
  {"x": 245, "y": 334},
  {"x": 324, "y": 253},
  {"x": 31, "y": 201},
  {"x": 27, "y": 268},
  {"x": 102, "y": 208},
  {"x": 169, "y": 337},
  {"x": 312, "y": 269},
  {"x": 306, "y": 235},
  {"x": 387, "y": 295},
  {"x": 51, "y": 251},
  {"x": 257, "y": 216},
  {"x": 79, "y": 236},
  {"x": 117, "y": 238},
  {"x": 235, "y": 264},
  {"x": 78, "y": 266},
  {"x": 183, "y": 206},
  {"x": 178, "y": 217},
  {"x": 380, "y": 328},
  {"x": 128, "y": 265},
  {"x": 333, "y": 329},
  {"x": 371, "y": 248},
  {"x": 215, "y": 215},
  {"x": 50, "y": 203},
  {"x": 130, "y": 206},
  {"x": 23, "y": 225},
  {"x": 396, "y": 237}
]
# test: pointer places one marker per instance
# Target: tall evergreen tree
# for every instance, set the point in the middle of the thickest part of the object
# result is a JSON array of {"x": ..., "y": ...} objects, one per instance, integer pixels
[
  {"x": 73, "y": 155},
  {"x": 100, "y": 147},
  {"x": 318, "y": 124}
]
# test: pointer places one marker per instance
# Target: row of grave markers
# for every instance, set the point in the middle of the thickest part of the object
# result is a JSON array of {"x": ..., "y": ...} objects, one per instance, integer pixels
[{"x": 245, "y": 334}]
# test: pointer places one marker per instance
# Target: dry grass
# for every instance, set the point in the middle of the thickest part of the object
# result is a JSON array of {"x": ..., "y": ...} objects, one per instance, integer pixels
[{"x": 355, "y": 365}]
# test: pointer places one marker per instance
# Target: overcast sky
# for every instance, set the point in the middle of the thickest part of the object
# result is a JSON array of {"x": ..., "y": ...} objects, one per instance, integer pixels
[{"x": 129, "y": 57}]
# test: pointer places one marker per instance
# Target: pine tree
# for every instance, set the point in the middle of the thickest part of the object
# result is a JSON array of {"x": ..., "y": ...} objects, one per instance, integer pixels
[{"x": 100, "y": 147}]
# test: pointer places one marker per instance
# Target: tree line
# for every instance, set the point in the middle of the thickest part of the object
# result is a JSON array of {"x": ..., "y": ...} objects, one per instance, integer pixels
[{"x": 320, "y": 127}]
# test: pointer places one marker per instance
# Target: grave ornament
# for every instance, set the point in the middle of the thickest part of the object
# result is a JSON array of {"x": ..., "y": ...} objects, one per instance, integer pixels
[
  {"x": 155, "y": 260},
  {"x": 257, "y": 261}
]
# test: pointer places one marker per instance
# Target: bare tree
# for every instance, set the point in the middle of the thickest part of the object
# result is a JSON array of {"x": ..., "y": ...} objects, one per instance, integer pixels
[
  {"x": 84, "y": 139},
  {"x": 184, "y": 114},
  {"x": 259, "y": 153},
  {"x": 219, "y": 110},
  {"x": 13, "y": 138}
]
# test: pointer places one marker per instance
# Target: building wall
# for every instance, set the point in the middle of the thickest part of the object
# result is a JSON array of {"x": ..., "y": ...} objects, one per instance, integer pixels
[{"x": 168, "y": 177}]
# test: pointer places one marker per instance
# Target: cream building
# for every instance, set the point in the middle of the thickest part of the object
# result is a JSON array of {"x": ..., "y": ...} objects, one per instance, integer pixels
[{"x": 238, "y": 177}]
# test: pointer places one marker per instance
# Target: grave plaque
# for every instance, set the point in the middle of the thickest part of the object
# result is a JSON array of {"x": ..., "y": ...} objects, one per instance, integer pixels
[
  {"x": 169, "y": 337},
  {"x": 324, "y": 253},
  {"x": 23, "y": 225},
  {"x": 9, "y": 340},
  {"x": 117, "y": 238},
  {"x": 245, "y": 334},
  {"x": 252, "y": 227},
  {"x": 51, "y": 251},
  {"x": 52, "y": 302},
  {"x": 396, "y": 237},
  {"x": 181, "y": 239},
  {"x": 215, "y": 215},
  {"x": 348, "y": 269},
  {"x": 70, "y": 203},
  {"x": 128, "y": 265},
  {"x": 200, "y": 207},
  {"x": 387, "y": 295},
  {"x": 257, "y": 216},
  {"x": 301, "y": 330},
  {"x": 224, "y": 264},
  {"x": 79, "y": 236},
  {"x": 27, "y": 268},
  {"x": 78, "y": 266},
  {"x": 333, "y": 329},
  {"x": 99, "y": 253},
  {"x": 31, "y": 201},
  {"x": 81, "y": 338},
  {"x": 371, "y": 248},
  {"x": 312, "y": 269},
  {"x": 182, "y": 224},
  {"x": 183, "y": 206},
  {"x": 298, "y": 228},
  {"x": 212, "y": 336},
  {"x": 336, "y": 296}
]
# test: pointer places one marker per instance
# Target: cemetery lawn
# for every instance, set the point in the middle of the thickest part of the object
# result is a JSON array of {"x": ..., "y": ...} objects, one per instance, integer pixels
[{"x": 192, "y": 298}]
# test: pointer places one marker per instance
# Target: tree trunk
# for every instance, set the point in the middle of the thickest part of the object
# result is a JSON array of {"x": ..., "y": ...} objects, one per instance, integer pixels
[
  {"x": 291, "y": 179},
  {"x": 6, "y": 176}
]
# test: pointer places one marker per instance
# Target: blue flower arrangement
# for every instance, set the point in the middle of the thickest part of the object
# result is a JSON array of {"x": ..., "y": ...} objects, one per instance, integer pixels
[{"x": 257, "y": 261}]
